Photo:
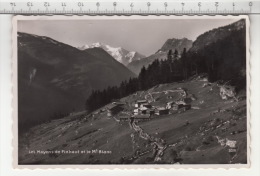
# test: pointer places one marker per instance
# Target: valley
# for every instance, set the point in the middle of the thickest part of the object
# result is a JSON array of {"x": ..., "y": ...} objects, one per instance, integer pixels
[{"x": 55, "y": 78}]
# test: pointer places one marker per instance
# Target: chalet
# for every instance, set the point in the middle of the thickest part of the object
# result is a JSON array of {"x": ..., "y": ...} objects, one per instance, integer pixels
[
  {"x": 114, "y": 109},
  {"x": 170, "y": 104},
  {"x": 161, "y": 111},
  {"x": 145, "y": 105},
  {"x": 143, "y": 110},
  {"x": 138, "y": 103},
  {"x": 103, "y": 110},
  {"x": 177, "y": 106},
  {"x": 187, "y": 106},
  {"x": 184, "y": 101},
  {"x": 136, "y": 111},
  {"x": 150, "y": 112},
  {"x": 184, "y": 108}
]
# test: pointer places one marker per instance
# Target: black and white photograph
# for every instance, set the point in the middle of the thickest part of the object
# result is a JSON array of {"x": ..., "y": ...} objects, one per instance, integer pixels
[{"x": 137, "y": 90}]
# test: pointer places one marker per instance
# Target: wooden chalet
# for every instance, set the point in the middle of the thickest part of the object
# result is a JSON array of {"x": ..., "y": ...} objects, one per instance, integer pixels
[
  {"x": 161, "y": 111},
  {"x": 138, "y": 103},
  {"x": 114, "y": 109},
  {"x": 146, "y": 105}
]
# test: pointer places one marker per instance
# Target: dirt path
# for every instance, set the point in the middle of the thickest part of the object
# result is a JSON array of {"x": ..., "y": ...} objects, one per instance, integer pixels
[
  {"x": 159, "y": 145},
  {"x": 150, "y": 94}
]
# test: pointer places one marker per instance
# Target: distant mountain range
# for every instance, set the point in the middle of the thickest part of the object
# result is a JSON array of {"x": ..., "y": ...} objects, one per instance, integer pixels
[
  {"x": 120, "y": 54},
  {"x": 170, "y": 44},
  {"x": 55, "y": 78}
]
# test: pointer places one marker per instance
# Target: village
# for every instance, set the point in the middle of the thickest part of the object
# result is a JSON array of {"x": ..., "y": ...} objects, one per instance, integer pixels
[
  {"x": 153, "y": 104},
  {"x": 146, "y": 109}
]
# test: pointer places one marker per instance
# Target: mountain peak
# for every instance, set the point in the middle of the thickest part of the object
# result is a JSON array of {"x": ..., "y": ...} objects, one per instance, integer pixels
[
  {"x": 93, "y": 45},
  {"x": 178, "y": 44},
  {"x": 98, "y": 44},
  {"x": 118, "y": 53}
]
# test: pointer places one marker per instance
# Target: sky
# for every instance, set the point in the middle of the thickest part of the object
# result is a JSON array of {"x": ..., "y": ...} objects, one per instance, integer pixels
[{"x": 143, "y": 36}]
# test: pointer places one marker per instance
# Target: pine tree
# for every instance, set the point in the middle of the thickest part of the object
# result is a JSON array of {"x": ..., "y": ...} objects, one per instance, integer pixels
[
  {"x": 142, "y": 78},
  {"x": 184, "y": 64},
  {"x": 169, "y": 58}
]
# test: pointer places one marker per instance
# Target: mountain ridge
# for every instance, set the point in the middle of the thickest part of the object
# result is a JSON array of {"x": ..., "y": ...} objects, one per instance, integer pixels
[
  {"x": 161, "y": 54},
  {"x": 216, "y": 34},
  {"x": 118, "y": 53}
]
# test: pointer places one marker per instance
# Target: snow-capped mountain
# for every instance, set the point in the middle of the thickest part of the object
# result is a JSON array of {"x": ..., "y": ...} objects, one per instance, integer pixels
[{"x": 120, "y": 54}]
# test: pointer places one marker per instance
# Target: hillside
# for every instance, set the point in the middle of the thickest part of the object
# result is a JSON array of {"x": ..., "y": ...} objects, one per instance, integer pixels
[
  {"x": 213, "y": 131},
  {"x": 118, "y": 53},
  {"x": 220, "y": 52},
  {"x": 161, "y": 54},
  {"x": 216, "y": 35},
  {"x": 55, "y": 78}
]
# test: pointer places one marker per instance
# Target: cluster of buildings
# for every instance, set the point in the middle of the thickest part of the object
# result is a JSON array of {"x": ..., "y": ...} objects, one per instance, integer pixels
[
  {"x": 143, "y": 107},
  {"x": 143, "y": 110}
]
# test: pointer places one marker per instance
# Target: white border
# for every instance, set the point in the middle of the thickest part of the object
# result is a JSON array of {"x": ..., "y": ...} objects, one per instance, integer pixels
[
  {"x": 125, "y": 166},
  {"x": 6, "y": 122}
]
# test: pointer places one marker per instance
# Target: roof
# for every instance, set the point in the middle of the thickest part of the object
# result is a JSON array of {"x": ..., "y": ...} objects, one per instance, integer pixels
[
  {"x": 143, "y": 108},
  {"x": 161, "y": 108},
  {"x": 171, "y": 102}
]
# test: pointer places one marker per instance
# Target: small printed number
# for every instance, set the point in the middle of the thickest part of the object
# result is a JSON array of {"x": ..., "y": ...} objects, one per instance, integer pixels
[
  {"x": 46, "y": 4},
  {"x": 29, "y": 4},
  {"x": 80, "y": 4},
  {"x": 12, "y": 4}
]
